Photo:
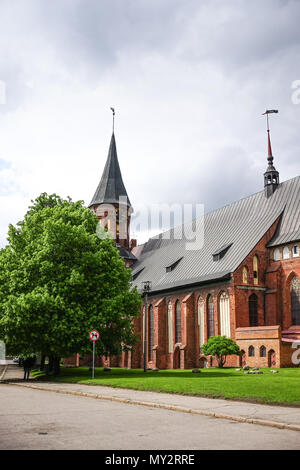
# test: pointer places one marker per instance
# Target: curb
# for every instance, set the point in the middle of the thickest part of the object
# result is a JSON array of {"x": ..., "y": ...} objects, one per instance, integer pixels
[
  {"x": 260, "y": 422},
  {"x": 4, "y": 372}
]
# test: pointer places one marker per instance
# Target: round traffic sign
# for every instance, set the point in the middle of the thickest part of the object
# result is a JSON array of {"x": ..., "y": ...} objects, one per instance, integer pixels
[{"x": 94, "y": 335}]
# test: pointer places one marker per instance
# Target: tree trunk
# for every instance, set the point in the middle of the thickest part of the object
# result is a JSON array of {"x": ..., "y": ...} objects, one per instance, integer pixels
[
  {"x": 221, "y": 361},
  {"x": 56, "y": 365},
  {"x": 42, "y": 365},
  {"x": 51, "y": 363}
]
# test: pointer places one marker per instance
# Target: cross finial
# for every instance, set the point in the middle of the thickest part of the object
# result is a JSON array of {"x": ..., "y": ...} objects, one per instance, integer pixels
[{"x": 113, "y": 112}]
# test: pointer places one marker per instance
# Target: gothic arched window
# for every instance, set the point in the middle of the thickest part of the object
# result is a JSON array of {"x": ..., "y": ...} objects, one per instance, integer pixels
[
  {"x": 295, "y": 251},
  {"x": 210, "y": 316},
  {"x": 276, "y": 254},
  {"x": 150, "y": 333},
  {"x": 201, "y": 320},
  {"x": 170, "y": 326},
  {"x": 255, "y": 269},
  {"x": 245, "y": 275},
  {"x": 251, "y": 352},
  {"x": 286, "y": 252},
  {"x": 295, "y": 301},
  {"x": 253, "y": 312},
  {"x": 262, "y": 351},
  {"x": 224, "y": 309},
  {"x": 177, "y": 322}
]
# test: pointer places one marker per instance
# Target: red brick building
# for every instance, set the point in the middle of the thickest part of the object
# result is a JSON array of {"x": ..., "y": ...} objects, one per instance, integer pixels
[{"x": 244, "y": 282}]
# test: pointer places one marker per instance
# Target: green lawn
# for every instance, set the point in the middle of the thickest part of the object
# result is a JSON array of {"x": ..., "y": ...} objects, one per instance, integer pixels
[{"x": 281, "y": 388}]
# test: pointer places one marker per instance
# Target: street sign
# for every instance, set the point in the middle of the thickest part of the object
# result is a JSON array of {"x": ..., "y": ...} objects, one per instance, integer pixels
[{"x": 94, "y": 335}]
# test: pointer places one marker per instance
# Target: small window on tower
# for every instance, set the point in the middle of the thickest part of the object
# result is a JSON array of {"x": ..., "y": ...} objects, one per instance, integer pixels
[
  {"x": 276, "y": 255},
  {"x": 295, "y": 251},
  {"x": 286, "y": 252}
]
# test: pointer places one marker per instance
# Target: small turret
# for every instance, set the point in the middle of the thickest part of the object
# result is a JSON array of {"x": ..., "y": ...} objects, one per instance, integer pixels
[{"x": 271, "y": 175}]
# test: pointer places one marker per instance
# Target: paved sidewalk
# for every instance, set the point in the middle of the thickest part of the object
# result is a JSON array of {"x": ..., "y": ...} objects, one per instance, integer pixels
[
  {"x": 274, "y": 416},
  {"x": 12, "y": 372}
]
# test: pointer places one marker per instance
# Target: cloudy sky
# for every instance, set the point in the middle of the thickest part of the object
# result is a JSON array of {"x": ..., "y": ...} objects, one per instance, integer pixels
[{"x": 189, "y": 80}]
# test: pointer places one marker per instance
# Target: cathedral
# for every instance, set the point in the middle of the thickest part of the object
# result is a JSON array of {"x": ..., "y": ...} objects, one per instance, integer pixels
[{"x": 244, "y": 282}]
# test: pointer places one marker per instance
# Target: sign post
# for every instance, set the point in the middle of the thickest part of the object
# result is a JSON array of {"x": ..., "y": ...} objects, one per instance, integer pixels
[{"x": 94, "y": 335}]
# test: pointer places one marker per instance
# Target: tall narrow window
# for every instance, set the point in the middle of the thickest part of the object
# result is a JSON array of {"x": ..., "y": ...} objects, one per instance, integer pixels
[
  {"x": 255, "y": 269},
  {"x": 224, "y": 315},
  {"x": 286, "y": 252},
  {"x": 177, "y": 322},
  {"x": 276, "y": 254},
  {"x": 295, "y": 251},
  {"x": 253, "y": 313},
  {"x": 210, "y": 316},
  {"x": 295, "y": 301},
  {"x": 150, "y": 333},
  {"x": 143, "y": 332},
  {"x": 201, "y": 321},
  {"x": 170, "y": 326},
  {"x": 245, "y": 275},
  {"x": 251, "y": 352},
  {"x": 262, "y": 351}
]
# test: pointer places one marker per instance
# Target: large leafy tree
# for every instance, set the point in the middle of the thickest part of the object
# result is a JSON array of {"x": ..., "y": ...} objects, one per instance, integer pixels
[
  {"x": 221, "y": 347},
  {"x": 58, "y": 281}
]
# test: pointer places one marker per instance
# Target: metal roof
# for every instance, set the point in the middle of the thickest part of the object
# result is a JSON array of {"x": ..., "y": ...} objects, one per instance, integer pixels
[
  {"x": 111, "y": 186},
  {"x": 240, "y": 224}
]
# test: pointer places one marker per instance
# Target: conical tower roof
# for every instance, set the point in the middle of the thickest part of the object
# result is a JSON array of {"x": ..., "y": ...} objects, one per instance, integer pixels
[{"x": 111, "y": 186}]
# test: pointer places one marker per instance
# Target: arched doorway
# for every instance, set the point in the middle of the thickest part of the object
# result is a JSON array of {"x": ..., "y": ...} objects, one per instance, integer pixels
[
  {"x": 243, "y": 358},
  {"x": 271, "y": 358},
  {"x": 176, "y": 358},
  {"x": 203, "y": 363}
]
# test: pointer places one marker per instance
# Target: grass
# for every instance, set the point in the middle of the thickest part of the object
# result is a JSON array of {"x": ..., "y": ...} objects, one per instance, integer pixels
[{"x": 282, "y": 388}]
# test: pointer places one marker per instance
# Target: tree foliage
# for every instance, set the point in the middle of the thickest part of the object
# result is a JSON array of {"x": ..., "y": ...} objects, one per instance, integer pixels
[
  {"x": 58, "y": 281},
  {"x": 220, "y": 346}
]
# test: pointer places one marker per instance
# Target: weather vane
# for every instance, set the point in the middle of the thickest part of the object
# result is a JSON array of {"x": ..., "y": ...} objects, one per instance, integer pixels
[
  {"x": 113, "y": 111},
  {"x": 267, "y": 112}
]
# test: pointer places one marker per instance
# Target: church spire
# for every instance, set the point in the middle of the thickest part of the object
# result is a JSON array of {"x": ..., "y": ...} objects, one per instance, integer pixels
[
  {"x": 111, "y": 203},
  {"x": 111, "y": 186},
  {"x": 271, "y": 176}
]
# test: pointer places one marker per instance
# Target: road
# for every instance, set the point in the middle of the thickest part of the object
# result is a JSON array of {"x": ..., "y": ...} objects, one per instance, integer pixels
[{"x": 35, "y": 419}]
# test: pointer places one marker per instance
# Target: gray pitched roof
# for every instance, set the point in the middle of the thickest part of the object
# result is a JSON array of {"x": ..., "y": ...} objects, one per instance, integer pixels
[
  {"x": 240, "y": 224},
  {"x": 111, "y": 186}
]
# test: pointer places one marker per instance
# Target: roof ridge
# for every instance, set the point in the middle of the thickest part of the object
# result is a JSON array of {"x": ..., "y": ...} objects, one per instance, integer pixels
[{"x": 156, "y": 237}]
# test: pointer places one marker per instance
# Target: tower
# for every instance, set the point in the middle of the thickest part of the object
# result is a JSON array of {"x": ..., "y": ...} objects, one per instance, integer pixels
[
  {"x": 111, "y": 203},
  {"x": 271, "y": 175}
]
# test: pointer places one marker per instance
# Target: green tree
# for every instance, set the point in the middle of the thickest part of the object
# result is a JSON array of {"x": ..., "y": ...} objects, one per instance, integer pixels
[
  {"x": 58, "y": 281},
  {"x": 220, "y": 346}
]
